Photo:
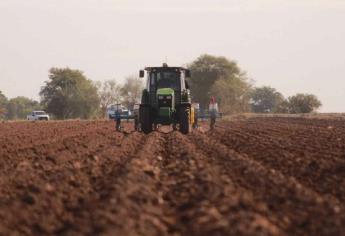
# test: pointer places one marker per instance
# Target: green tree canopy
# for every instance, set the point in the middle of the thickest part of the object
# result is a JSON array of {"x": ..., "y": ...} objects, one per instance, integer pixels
[
  {"x": 303, "y": 103},
  {"x": 20, "y": 107},
  {"x": 3, "y": 104},
  {"x": 232, "y": 95},
  {"x": 131, "y": 91},
  {"x": 283, "y": 107},
  {"x": 222, "y": 78},
  {"x": 69, "y": 94},
  {"x": 266, "y": 99}
]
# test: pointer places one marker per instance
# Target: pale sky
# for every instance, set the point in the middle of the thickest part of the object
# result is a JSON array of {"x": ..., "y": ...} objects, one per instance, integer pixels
[{"x": 292, "y": 45}]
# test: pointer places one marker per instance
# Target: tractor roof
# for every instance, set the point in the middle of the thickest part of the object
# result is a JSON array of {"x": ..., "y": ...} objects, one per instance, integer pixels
[{"x": 165, "y": 67}]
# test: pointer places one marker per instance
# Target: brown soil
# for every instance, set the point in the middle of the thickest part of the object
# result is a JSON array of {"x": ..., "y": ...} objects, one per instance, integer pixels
[{"x": 261, "y": 176}]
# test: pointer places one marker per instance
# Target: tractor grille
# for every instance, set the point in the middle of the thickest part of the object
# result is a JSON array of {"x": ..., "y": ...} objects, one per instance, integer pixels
[
  {"x": 153, "y": 98},
  {"x": 164, "y": 102}
]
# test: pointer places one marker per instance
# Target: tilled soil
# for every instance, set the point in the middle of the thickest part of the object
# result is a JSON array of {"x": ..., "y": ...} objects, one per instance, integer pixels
[{"x": 261, "y": 176}]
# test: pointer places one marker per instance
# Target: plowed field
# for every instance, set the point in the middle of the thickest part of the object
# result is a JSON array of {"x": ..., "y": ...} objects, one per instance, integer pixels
[{"x": 261, "y": 176}]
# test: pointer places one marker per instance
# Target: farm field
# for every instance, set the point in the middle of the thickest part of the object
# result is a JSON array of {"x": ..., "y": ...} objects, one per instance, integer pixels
[{"x": 258, "y": 176}]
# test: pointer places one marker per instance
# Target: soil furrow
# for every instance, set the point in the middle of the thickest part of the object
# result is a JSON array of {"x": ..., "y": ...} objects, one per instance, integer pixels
[
  {"x": 301, "y": 208},
  {"x": 315, "y": 169},
  {"x": 204, "y": 200},
  {"x": 65, "y": 189},
  {"x": 262, "y": 176}
]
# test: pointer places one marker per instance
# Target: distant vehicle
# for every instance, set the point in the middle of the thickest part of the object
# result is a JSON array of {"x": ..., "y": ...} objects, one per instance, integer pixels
[
  {"x": 118, "y": 111},
  {"x": 38, "y": 115}
]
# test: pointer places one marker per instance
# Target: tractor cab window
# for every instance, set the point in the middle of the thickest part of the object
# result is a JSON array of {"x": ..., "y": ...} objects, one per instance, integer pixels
[
  {"x": 151, "y": 82},
  {"x": 183, "y": 81},
  {"x": 165, "y": 80},
  {"x": 148, "y": 82},
  {"x": 168, "y": 80}
]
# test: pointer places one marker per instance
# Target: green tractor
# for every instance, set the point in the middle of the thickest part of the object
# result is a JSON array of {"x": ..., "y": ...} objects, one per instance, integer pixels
[{"x": 166, "y": 99}]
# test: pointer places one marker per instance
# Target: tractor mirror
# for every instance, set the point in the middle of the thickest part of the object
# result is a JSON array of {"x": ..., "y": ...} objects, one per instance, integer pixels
[
  {"x": 141, "y": 74},
  {"x": 188, "y": 74}
]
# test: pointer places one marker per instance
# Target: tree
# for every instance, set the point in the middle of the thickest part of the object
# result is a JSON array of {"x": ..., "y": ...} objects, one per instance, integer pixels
[
  {"x": 109, "y": 93},
  {"x": 266, "y": 99},
  {"x": 233, "y": 95},
  {"x": 131, "y": 91},
  {"x": 283, "y": 107},
  {"x": 221, "y": 78},
  {"x": 303, "y": 103},
  {"x": 3, "y": 103},
  {"x": 69, "y": 94},
  {"x": 20, "y": 107}
]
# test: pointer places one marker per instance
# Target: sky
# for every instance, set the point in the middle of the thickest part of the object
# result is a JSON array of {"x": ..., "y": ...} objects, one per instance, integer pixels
[{"x": 292, "y": 45}]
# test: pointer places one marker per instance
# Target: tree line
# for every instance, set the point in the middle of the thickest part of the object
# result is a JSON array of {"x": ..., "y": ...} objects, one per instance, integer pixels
[
  {"x": 235, "y": 92},
  {"x": 69, "y": 94}
]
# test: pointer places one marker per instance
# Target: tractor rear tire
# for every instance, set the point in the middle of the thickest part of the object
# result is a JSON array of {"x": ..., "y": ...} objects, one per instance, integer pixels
[
  {"x": 184, "y": 117},
  {"x": 145, "y": 119}
]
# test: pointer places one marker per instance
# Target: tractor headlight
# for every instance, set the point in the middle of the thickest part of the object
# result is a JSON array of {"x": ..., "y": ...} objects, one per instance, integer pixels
[
  {"x": 169, "y": 97},
  {"x": 160, "y": 97}
]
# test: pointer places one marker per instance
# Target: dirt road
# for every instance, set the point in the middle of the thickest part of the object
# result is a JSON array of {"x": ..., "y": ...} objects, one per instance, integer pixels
[{"x": 261, "y": 176}]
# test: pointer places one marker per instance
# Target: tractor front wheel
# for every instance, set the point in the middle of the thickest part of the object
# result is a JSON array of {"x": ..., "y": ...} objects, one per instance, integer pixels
[
  {"x": 145, "y": 119},
  {"x": 184, "y": 116}
]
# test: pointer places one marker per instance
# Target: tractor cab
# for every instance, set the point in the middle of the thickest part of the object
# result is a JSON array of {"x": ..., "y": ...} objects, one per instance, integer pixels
[
  {"x": 166, "y": 77},
  {"x": 166, "y": 98},
  {"x": 159, "y": 79}
]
